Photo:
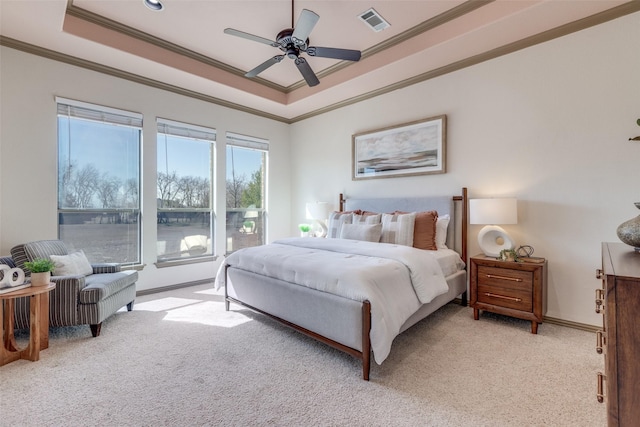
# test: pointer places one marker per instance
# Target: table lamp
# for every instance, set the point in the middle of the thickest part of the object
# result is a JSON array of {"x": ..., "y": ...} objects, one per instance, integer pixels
[
  {"x": 492, "y": 238},
  {"x": 319, "y": 212}
]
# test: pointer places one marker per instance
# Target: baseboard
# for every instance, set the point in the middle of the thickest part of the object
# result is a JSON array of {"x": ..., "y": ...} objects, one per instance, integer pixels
[
  {"x": 561, "y": 322},
  {"x": 173, "y": 287},
  {"x": 570, "y": 324}
]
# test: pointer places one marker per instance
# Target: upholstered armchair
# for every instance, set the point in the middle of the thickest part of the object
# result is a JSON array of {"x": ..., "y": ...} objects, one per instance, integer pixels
[{"x": 80, "y": 298}]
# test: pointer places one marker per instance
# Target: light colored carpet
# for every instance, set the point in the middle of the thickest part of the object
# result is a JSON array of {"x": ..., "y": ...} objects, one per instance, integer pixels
[{"x": 180, "y": 360}]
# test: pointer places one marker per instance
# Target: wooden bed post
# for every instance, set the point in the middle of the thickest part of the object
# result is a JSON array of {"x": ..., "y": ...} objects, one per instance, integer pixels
[
  {"x": 366, "y": 340},
  {"x": 465, "y": 220},
  {"x": 341, "y": 203}
]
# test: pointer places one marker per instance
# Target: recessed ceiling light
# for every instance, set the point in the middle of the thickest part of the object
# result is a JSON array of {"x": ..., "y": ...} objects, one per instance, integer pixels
[{"x": 153, "y": 4}]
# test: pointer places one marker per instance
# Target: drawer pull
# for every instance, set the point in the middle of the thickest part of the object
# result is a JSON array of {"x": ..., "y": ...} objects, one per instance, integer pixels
[
  {"x": 599, "y": 300},
  {"x": 601, "y": 379},
  {"x": 495, "y": 276},
  {"x": 600, "y": 341},
  {"x": 489, "y": 294},
  {"x": 599, "y": 273}
]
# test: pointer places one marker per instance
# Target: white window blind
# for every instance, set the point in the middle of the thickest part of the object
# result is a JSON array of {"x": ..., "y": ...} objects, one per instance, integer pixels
[
  {"x": 184, "y": 130},
  {"x": 247, "y": 141},
  {"x": 97, "y": 113}
]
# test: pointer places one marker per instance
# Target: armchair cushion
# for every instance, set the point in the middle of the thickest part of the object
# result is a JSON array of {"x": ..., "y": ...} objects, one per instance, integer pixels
[{"x": 101, "y": 286}]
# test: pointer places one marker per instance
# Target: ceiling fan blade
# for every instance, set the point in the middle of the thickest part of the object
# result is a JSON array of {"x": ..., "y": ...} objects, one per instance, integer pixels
[
  {"x": 248, "y": 36},
  {"x": 330, "y": 52},
  {"x": 266, "y": 64},
  {"x": 304, "y": 26},
  {"x": 306, "y": 71}
]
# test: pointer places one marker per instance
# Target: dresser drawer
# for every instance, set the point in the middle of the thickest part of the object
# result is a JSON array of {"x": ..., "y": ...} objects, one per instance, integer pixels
[{"x": 505, "y": 287}]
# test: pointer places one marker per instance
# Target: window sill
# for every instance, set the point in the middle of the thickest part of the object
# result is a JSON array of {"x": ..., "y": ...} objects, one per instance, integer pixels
[{"x": 177, "y": 262}]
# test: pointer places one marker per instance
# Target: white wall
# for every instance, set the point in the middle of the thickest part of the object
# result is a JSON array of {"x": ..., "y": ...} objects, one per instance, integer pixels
[
  {"x": 28, "y": 152},
  {"x": 549, "y": 124}
]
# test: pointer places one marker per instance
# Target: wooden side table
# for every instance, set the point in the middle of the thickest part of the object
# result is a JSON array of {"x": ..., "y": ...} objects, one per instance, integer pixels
[
  {"x": 38, "y": 323},
  {"x": 516, "y": 289}
]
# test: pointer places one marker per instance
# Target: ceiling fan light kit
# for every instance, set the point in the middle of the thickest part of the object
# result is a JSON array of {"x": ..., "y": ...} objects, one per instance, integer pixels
[
  {"x": 293, "y": 41},
  {"x": 154, "y": 5}
]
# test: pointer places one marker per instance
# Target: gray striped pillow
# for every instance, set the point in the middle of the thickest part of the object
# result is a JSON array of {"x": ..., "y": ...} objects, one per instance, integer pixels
[
  {"x": 336, "y": 219},
  {"x": 398, "y": 228}
]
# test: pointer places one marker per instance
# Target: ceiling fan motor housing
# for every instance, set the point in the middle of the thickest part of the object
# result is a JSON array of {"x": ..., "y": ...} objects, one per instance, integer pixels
[{"x": 287, "y": 42}]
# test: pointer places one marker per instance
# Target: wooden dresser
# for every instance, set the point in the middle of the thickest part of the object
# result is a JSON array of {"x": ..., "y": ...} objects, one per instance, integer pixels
[{"x": 619, "y": 340}]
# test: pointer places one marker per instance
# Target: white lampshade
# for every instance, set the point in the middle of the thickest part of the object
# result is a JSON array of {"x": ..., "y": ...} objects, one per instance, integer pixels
[
  {"x": 318, "y": 210},
  {"x": 492, "y": 238},
  {"x": 493, "y": 211}
]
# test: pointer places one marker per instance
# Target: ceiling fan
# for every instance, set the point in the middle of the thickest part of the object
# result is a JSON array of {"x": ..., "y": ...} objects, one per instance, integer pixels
[{"x": 293, "y": 41}]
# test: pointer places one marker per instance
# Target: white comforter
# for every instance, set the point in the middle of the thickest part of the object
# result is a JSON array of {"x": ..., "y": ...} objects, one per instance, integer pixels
[{"x": 395, "y": 279}]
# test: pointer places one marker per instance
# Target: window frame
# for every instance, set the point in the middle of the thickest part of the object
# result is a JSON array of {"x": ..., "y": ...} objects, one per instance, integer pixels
[
  {"x": 201, "y": 134},
  {"x": 73, "y": 109},
  {"x": 255, "y": 144}
]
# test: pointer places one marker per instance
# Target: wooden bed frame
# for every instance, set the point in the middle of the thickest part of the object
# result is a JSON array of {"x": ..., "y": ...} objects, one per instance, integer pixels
[{"x": 357, "y": 315}]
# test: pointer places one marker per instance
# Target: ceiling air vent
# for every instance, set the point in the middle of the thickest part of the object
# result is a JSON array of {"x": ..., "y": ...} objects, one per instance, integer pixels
[{"x": 374, "y": 20}]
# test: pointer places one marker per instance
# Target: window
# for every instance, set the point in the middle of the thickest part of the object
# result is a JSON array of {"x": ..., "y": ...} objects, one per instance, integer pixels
[
  {"x": 99, "y": 181},
  {"x": 184, "y": 191},
  {"x": 246, "y": 191}
]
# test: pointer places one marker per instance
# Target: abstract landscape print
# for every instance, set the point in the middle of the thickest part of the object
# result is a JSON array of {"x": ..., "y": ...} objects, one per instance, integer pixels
[{"x": 415, "y": 148}]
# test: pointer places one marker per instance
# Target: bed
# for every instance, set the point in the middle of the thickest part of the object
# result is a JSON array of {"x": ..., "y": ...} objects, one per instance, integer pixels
[{"x": 372, "y": 291}]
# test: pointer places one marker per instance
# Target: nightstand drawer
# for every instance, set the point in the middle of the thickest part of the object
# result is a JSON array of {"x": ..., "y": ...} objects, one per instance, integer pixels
[
  {"x": 505, "y": 278},
  {"x": 518, "y": 299},
  {"x": 505, "y": 287}
]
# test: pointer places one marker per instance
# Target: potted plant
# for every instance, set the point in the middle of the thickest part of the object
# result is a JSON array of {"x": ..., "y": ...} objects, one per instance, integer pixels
[
  {"x": 304, "y": 229},
  {"x": 41, "y": 269}
]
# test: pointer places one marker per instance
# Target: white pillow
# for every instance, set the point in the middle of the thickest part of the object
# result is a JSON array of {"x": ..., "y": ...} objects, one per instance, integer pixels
[
  {"x": 74, "y": 264},
  {"x": 368, "y": 218},
  {"x": 336, "y": 219},
  {"x": 398, "y": 228},
  {"x": 441, "y": 231},
  {"x": 365, "y": 232}
]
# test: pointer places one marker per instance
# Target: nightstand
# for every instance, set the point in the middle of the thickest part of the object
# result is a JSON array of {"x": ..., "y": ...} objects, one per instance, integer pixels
[{"x": 516, "y": 289}]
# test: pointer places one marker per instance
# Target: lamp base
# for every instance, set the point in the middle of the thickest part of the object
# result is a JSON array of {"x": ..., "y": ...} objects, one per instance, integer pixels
[
  {"x": 319, "y": 229},
  {"x": 493, "y": 239}
]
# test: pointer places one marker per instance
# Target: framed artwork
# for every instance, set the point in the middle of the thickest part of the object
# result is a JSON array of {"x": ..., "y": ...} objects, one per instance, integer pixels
[{"x": 416, "y": 148}]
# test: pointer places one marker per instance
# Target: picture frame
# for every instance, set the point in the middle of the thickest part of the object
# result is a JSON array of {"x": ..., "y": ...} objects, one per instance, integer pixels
[{"x": 409, "y": 149}]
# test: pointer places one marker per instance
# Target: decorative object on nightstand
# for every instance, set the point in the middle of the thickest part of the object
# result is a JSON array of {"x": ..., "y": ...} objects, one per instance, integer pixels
[
  {"x": 516, "y": 289},
  {"x": 490, "y": 212},
  {"x": 629, "y": 231},
  {"x": 319, "y": 212},
  {"x": 304, "y": 229}
]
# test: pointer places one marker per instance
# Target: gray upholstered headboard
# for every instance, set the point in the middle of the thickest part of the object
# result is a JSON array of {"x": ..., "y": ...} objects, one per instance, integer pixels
[{"x": 455, "y": 206}]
